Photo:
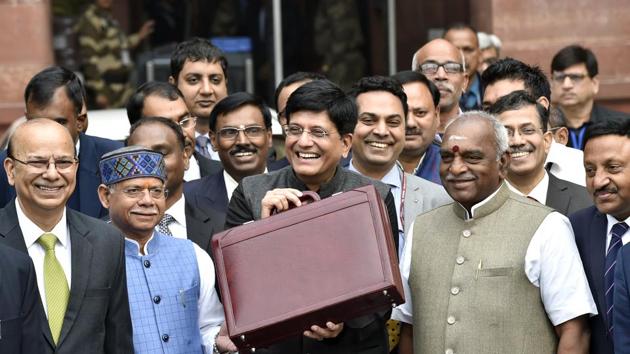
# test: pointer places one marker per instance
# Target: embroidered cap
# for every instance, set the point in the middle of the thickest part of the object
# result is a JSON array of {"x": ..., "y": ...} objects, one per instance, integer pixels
[{"x": 131, "y": 162}]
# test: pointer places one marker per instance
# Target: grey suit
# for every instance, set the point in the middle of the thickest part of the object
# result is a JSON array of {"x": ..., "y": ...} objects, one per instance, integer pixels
[
  {"x": 566, "y": 197},
  {"x": 422, "y": 196},
  {"x": 97, "y": 318}
]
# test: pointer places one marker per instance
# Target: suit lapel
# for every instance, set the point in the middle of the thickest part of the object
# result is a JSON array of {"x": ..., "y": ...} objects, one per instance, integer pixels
[
  {"x": 413, "y": 204},
  {"x": 81, "y": 253},
  {"x": 87, "y": 178},
  {"x": 597, "y": 245},
  {"x": 198, "y": 226},
  {"x": 557, "y": 197}
]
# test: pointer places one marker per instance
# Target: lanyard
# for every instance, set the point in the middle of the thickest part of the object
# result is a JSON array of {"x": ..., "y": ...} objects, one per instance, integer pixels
[
  {"x": 577, "y": 138},
  {"x": 403, "y": 191}
]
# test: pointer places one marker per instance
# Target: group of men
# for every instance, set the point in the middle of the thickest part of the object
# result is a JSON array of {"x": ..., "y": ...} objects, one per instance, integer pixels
[{"x": 507, "y": 239}]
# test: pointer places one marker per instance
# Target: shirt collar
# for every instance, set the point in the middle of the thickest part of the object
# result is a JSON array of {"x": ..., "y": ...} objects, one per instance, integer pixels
[
  {"x": 392, "y": 177},
  {"x": 178, "y": 211},
  {"x": 539, "y": 193},
  {"x": 133, "y": 247},
  {"x": 231, "y": 184},
  {"x": 475, "y": 207},
  {"x": 31, "y": 232},
  {"x": 612, "y": 221}
]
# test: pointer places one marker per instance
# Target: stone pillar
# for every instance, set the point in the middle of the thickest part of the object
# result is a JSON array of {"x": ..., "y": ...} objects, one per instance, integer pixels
[
  {"x": 533, "y": 31},
  {"x": 26, "y": 48}
]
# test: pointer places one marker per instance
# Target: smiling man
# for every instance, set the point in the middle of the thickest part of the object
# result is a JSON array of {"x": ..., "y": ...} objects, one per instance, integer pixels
[
  {"x": 441, "y": 62},
  {"x": 601, "y": 229},
  {"x": 320, "y": 121},
  {"x": 199, "y": 70},
  {"x": 477, "y": 265},
  {"x": 526, "y": 122}
]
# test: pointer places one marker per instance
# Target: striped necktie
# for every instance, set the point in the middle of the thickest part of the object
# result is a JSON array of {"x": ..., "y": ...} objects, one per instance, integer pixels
[
  {"x": 163, "y": 225},
  {"x": 201, "y": 145},
  {"x": 618, "y": 230},
  {"x": 56, "y": 285}
]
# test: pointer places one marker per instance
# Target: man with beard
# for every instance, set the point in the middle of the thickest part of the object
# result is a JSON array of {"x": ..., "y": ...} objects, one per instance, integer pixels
[
  {"x": 421, "y": 154},
  {"x": 159, "y": 99},
  {"x": 199, "y": 71},
  {"x": 526, "y": 122},
  {"x": 241, "y": 134},
  {"x": 601, "y": 229},
  {"x": 480, "y": 277},
  {"x": 441, "y": 62},
  {"x": 574, "y": 87}
]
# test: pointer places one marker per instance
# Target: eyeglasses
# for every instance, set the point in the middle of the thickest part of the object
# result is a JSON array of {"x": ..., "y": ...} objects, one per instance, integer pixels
[
  {"x": 253, "y": 131},
  {"x": 523, "y": 131},
  {"x": 295, "y": 131},
  {"x": 431, "y": 68},
  {"x": 61, "y": 165},
  {"x": 574, "y": 78},
  {"x": 137, "y": 193},
  {"x": 188, "y": 122}
]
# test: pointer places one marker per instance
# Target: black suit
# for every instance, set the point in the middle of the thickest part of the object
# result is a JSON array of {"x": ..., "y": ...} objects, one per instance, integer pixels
[
  {"x": 212, "y": 189},
  {"x": 20, "y": 305},
  {"x": 85, "y": 195},
  {"x": 598, "y": 114},
  {"x": 97, "y": 319},
  {"x": 202, "y": 221},
  {"x": 207, "y": 166},
  {"x": 566, "y": 197},
  {"x": 590, "y": 226}
]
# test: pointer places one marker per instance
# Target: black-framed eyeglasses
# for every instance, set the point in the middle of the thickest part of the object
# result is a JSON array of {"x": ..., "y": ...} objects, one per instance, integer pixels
[
  {"x": 61, "y": 164},
  {"x": 188, "y": 122},
  {"x": 574, "y": 78},
  {"x": 431, "y": 68},
  {"x": 295, "y": 131},
  {"x": 252, "y": 131},
  {"x": 138, "y": 193}
]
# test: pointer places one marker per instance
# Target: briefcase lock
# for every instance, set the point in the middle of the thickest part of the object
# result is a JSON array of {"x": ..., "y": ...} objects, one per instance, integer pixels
[{"x": 390, "y": 298}]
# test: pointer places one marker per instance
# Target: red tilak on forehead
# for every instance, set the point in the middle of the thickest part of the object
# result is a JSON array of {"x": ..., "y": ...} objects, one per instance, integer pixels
[{"x": 455, "y": 148}]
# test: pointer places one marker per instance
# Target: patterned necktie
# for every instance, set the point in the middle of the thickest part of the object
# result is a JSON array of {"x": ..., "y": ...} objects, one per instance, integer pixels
[
  {"x": 56, "y": 285},
  {"x": 201, "y": 145},
  {"x": 164, "y": 224},
  {"x": 618, "y": 230}
]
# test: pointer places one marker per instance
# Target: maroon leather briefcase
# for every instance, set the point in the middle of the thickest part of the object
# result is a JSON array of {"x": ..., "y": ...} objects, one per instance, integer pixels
[{"x": 331, "y": 260}]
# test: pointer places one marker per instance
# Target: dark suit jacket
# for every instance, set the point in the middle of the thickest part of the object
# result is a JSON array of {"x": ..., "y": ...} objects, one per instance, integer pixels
[
  {"x": 202, "y": 221},
  {"x": 622, "y": 302},
  {"x": 20, "y": 305},
  {"x": 97, "y": 318},
  {"x": 207, "y": 166},
  {"x": 85, "y": 195},
  {"x": 566, "y": 197},
  {"x": 598, "y": 114},
  {"x": 212, "y": 189},
  {"x": 589, "y": 226}
]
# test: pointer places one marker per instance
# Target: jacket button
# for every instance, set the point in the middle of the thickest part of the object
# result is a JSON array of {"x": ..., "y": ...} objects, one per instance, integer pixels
[
  {"x": 450, "y": 320},
  {"x": 147, "y": 264},
  {"x": 466, "y": 233},
  {"x": 460, "y": 260},
  {"x": 454, "y": 290},
  {"x": 165, "y": 338},
  {"x": 157, "y": 299}
]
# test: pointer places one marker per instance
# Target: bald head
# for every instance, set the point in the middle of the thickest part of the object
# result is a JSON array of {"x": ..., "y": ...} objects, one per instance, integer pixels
[
  {"x": 40, "y": 129},
  {"x": 437, "y": 48}
]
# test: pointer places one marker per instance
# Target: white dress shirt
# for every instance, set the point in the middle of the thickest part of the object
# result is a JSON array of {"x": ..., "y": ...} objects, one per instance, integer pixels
[
  {"x": 31, "y": 233},
  {"x": 552, "y": 264},
  {"x": 567, "y": 163},
  {"x": 209, "y": 307},
  {"x": 625, "y": 238},
  {"x": 193, "y": 172},
  {"x": 178, "y": 212},
  {"x": 539, "y": 193},
  {"x": 231, "y": 184}
]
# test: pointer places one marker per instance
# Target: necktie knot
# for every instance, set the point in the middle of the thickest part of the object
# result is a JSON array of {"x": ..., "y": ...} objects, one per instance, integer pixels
[
  {"x": 48, "y": 241},
  {"x": 202, "y": 141},
  {"x": 619, "y": 229},
  {"x": 164, "y": 223}
]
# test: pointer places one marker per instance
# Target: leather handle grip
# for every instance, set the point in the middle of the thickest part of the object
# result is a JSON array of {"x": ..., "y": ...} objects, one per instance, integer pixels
[{"x": 307, "y": 197}]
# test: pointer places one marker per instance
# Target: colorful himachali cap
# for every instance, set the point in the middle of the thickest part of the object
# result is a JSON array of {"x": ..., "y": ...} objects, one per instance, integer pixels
[{"x": 131, "y": 162}]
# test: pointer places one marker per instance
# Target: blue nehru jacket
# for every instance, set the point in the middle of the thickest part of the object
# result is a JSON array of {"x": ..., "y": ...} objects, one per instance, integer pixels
[{"x": 163, "y": 290}]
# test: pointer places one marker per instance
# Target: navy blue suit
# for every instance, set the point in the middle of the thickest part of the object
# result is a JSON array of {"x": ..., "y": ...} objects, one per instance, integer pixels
[
  {"x": 590, "y": 226},
  {"x": 622, "y": 302},
  {"x": 209, "y": 190},
  {"x": 85, "y": 195},
  {"x": 430, "y": 167}
]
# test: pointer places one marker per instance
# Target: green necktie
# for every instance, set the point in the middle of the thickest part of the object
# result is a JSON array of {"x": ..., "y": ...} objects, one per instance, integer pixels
[{"x": 56, "y": 285}]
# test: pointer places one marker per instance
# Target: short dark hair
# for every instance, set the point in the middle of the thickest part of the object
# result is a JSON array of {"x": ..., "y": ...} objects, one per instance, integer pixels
[
  {"x": 557, "y": 119},
  {"x": 533, "y": 78},
  {"x": 408, "y": 76},
  {"x": 135, "y": 105},
  {"x": 324, "y": 96},
  {"x": 572, "y": 55},
  {"x": 461, "y": 26},
  {"x": 614, "y": 125},
  {"x": 380, "y": 83},
  {"x": 179, "y": 134},
  {"x": 293, "y": 78},
  {"x": 196, "y": 49},
  {"x": 236, "y": 101},
  {"x": 517, "y": 100},
  {"x": 41, "y": 88}
]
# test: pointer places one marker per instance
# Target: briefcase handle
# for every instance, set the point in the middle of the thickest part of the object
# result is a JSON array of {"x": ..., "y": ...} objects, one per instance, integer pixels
[{"x": 307, "y": 197}]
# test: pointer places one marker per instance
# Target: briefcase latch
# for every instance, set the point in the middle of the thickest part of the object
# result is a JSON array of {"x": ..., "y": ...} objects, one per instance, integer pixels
[{"x": 390, "y": 298}]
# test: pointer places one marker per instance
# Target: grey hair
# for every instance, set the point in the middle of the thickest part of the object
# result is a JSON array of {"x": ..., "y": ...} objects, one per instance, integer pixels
[
  {"x": 416, "y": 67},
  {"x": 500, "y": 133}
]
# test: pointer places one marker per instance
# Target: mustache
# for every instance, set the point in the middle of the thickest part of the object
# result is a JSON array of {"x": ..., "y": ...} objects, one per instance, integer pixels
[
  {"x": 463, "y": 177},
  {"x": 522, "y": 148},
  {"x": 413, "y": 131},
  {"x": 442, "y": 85},
  {"x": 606, "y": 189},
  {"x": 242, "y": 148}
]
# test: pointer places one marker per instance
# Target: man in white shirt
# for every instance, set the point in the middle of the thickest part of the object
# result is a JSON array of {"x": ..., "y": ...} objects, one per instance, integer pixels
[
  {"x": 185, "y": 217},
  {"x": 79, "y": 261},
  {"x": 493, "y": 271},
  {"x": 164, "y": 274},
  {"x": 526, "y": 122}
]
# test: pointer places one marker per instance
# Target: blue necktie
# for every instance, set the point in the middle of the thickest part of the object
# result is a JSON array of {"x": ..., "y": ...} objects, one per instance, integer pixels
[
  {"x": 618, "y": 230},
  {"x": 201, "y": 145}
]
